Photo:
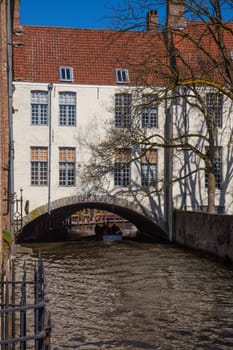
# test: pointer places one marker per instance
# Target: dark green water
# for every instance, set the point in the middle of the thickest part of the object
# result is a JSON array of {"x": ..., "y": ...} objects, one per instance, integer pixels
[{"x": 135, "y": 296}]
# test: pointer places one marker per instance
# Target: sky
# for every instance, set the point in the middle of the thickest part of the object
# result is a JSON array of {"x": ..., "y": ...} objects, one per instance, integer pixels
[
  {"x": 97, "y": 14},
  {"x": 69, "y": 13}
]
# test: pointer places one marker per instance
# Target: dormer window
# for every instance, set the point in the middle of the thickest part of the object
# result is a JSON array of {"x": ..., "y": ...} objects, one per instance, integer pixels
[
  {"x": 66, "y": 73},
  {"x": 122, "y": 75}
]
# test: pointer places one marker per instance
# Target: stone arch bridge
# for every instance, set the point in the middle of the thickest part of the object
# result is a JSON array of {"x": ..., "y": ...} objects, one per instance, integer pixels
[{"x": 40, "y": 225}]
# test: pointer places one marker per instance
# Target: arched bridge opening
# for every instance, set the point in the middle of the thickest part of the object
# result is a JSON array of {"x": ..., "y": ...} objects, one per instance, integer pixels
[{"x": 42, "y": 226}]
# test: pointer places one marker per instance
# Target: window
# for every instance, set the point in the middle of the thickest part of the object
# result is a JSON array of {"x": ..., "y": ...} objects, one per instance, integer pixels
[
  {"x": 39, "y": 166},
  {"x": 122, "y": 110},
  {"x": 122, "y": 75},
  {"x": 149, "y": 111},
  {"x": 39, "y": 107},
  {"x": 122, "y": 167},
  {"x": 217, "y": 169},
  {"x": 66, "y": 73},
  {"x": 214, "y": 102},
  {"x": 67, "y": 166},
  {"x": 149, "y": 168},
  {"x": 67, "y": 108}
]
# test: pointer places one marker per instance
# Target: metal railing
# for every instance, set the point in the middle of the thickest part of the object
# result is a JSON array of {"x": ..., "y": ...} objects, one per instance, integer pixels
[{"x": 24, "y": 321}]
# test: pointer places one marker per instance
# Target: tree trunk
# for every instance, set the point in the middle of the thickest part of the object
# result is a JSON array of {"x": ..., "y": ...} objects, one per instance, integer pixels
[{"x": 211, "y": 191}]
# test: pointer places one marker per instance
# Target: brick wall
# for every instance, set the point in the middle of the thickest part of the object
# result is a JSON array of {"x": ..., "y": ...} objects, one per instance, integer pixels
[{"x": 4, "y": 138}]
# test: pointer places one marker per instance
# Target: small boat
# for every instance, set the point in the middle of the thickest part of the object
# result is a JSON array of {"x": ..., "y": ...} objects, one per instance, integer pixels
[
  {"x": 109, "y": 234},
  {"x": 111, "y": 238}
]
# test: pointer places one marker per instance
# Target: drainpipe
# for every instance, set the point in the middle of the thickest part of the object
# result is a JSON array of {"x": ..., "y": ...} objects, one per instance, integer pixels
[
  {"x": 50, "y": 87},
  {"x": 10, "y": 117},
  {"x": 186, "y": 156},
  {"x": 169, "y": 173}
]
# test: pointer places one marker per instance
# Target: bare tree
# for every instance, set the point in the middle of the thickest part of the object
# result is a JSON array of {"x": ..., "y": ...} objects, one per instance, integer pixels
[{"x": 181, "y": 65}]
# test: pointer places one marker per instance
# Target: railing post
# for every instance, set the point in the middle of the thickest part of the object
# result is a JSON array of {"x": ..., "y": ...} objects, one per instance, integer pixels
[
  {"x": 6, "y": 335},
  {"x": 2, "y": 303},
  {"x": 23, "y": 319},
  {"x": 13, "y": 319}
]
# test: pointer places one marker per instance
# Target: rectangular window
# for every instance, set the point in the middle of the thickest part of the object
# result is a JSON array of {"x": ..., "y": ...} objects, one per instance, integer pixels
[
  {"x": 149, "y": 167},
  {"x": 149, "y": 111},
  {"x": 217, "y": 169},
  {"x": 122, "y": 167},
  {"x": 66, "y": 73},
  {"x": 39, "y": 107},
  {"x": 39, "y": 166},
  {"x": 122, "y": 110},
  {"x": 122, "y": 75},
  {"x": 67, "y": 166},
  {"x": 67, "y": 108},
  {"x": 214, "y": 103}
]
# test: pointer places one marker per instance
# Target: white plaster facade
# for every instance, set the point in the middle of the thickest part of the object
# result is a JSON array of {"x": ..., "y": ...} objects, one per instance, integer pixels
[{"x": 94, "y": 110}]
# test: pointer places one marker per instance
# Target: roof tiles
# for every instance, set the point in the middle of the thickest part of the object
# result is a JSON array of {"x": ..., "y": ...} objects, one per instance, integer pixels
[{"x": 95, "y": 54}]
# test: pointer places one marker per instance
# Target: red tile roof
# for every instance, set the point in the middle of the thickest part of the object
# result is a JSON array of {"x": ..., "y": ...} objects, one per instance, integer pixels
[{"x": 95, "y": 54}]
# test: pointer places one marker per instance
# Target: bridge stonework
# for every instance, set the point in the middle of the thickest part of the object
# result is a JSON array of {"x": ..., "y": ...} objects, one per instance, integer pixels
[
  {"x": 72, "y": 200},
  {"x": 40, "y": 218}
]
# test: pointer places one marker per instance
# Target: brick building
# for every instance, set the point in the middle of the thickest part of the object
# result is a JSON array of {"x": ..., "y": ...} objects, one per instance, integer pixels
[{"x": 9, "y": 20}]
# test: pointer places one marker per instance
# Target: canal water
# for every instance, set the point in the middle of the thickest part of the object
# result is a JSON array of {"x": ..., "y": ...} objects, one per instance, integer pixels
[{"x": 130, "y": 295}]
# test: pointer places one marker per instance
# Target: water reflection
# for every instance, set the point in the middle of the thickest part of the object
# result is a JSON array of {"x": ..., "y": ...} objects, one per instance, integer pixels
[{"x": 129, "y": 295}]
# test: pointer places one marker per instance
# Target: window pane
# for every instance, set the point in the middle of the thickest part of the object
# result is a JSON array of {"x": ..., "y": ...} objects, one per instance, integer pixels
[
  {"x": 39, "y": 107},
  {"x": 39, "y": 97},
  {"x": 122, "y": 167},
  {"x": 62, "y": 154},
  {"x": 67, "y": 166},
  {"x": 67, "y": 108},
  {"x": 66, "y": 73},
  {"x": 149, "y": 111},
  {"x": 35, "y": 153},
  {"x": 71, "y": 155},
  {"x": 122, "y": 174},
  {"x": 122, "y": 110},
  {"x": 44, "y": 154},
  {"x": 149, "y": 167},
  {"x": 214, "y": 102},
  {"x": 122, "y": 75},
  {"x": 39, "y": 165},
  {"x": 122, "y": 155},
  {"x": 149, "y": 156}
]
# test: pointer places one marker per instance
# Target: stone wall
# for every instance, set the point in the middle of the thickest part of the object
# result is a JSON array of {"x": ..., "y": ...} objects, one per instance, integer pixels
[{"x": 209, "y": 233}]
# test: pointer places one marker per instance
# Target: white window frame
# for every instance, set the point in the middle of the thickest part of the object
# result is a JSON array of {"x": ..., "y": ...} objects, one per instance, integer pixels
[
  {"x": 123, "y": 105},
  {"x": 67, "y": 167},
  {"x": 214, "y": 103},
  {"x": 122, "y": 168},
  {"x": 66, "y": 73},
  {"x": 122, "y": 75},
  {"x": 149, "y": 168},
  {"x": 218, "y": 169},
  {"x": 149, "y": 111},
  {"x": 39, "y": 166},
  {"x": 67, "y": 108},
  {"x": 39, "y": 107}
]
